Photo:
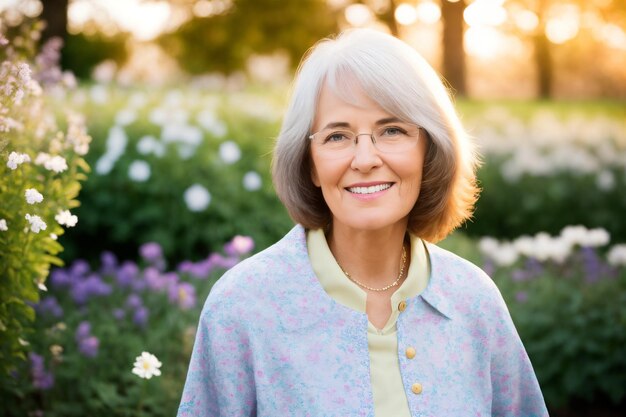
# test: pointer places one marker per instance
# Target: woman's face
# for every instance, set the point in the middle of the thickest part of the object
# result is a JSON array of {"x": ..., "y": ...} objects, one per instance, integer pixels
[{"x": 366, "y": 189}]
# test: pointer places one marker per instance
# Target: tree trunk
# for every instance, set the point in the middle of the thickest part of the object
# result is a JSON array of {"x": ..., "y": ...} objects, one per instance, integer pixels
[
  {"x": 453, "y": 52},
  {"x": 55, "y": 15},
  {"x": 543, "y": 61}
]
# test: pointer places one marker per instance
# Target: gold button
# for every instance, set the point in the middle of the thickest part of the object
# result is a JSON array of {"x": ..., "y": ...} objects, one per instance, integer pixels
[
  {"x": 410, "y": 352},
  {"x": 416, "y": 388},
  {"x": 402, "y": 306}
]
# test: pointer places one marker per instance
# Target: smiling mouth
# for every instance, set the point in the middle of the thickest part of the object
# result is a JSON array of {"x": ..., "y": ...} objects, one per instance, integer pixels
[{"x": 369, "y": 190}]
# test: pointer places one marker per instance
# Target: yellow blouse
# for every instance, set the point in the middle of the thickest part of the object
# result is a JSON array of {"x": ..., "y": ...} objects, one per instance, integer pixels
[{"x": 389, "y": 397}]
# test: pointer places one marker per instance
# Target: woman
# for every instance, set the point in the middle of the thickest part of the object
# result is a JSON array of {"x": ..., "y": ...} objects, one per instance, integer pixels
[{"x": 353, "y": 313}]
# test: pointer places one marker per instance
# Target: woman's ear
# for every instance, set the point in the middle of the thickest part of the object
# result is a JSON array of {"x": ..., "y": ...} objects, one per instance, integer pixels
[{"x": 314, "y": 177}]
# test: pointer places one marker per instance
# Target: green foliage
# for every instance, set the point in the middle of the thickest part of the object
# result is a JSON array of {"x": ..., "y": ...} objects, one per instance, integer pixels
[
  {"x": 83, "y": 52},
  {"x": 223, "y": 42},
  {"x": 35, "y": 153},
  {"x": 119, "y": 213},
  {"x": 571, "y": 317},
  {"x": 92, "y": 325}
]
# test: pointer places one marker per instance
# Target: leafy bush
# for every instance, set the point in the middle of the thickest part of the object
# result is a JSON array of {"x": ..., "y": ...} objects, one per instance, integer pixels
[
  {"x": 182, "y": 168},
  {"x": 40, "y": 168},
  {"x": 548, "y": 171},
  {"x": 568, "y": 301},
  {"x": 93, "y": 323}
]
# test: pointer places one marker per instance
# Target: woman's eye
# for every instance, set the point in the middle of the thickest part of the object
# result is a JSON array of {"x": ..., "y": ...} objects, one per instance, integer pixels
[
  {"x": 336, "y": 137},
  {"x": 392, "y": 131}
]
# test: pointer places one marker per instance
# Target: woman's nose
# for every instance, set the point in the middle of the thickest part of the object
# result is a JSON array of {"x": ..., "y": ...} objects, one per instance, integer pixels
[{"x": 366, "y": 156}]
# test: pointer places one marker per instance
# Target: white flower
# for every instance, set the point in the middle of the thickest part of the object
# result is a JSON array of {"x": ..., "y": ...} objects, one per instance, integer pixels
[
  {"x": 66, "y": 218},
  {"x": 36, "y": 224},
  {"x": 139, "y": 171},
  {"x": 125, "y": 117},
  {"x": 146, "y": 366},
  {"x": 42, "y": 158},
  {"x": 104, "y": 165},
  {"x": 252, "y": 181},
  {"x": 56, "y": 163},
  {"x": 598, "y": 237},
  {"x": 605, "y": 180},
  {"x": 229, "y": 152},
  {"x": 3, "y": 225},
  {"x": 208, "y": 120},
  {"x": 33, "y": 196},
  {"x": 617, "y": 255},
  {"x": 149, "y": 144},
  {"x": 197, "y": 197},
  {"x": 53, "y": 236},
  {"x": 16, "y": 159}
]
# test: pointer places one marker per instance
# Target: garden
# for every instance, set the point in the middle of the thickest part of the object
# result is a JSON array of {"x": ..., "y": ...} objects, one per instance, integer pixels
[{"x": 123, "y": 203}]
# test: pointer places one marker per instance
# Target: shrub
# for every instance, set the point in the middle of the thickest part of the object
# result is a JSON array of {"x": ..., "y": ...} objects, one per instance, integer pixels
[
  {"x": 182, "y": 168},
  {"x": 568, "y": 301},
  {"x": 40, "y": 168},
  {"x": 93, "y": 323}
]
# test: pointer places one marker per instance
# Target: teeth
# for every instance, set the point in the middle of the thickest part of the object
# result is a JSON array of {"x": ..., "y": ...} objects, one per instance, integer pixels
[{"x": 369, "y": 190}]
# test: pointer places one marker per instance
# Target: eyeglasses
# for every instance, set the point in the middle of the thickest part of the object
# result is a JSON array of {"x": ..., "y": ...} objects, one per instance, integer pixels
[{"x": 392, "y": 138}]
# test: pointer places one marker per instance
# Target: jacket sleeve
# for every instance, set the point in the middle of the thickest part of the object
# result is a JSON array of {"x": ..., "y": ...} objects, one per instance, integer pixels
[
  {"x": 516, "y": 391},
  {"x": 219, "y": 381}
]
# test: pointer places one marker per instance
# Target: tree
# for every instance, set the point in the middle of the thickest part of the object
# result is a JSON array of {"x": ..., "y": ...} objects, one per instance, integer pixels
[
  {"x": 224, "y": 42},
  {"x": 54, "y": 13},
  {"x": 454, "y": 70}
]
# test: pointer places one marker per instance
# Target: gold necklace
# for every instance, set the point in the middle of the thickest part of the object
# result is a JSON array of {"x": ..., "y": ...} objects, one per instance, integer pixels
[{"x": 385, "y": 288}]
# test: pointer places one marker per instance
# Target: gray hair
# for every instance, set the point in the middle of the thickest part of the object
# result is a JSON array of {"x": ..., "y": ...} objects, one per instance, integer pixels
[{"x": 401, "y": 82}]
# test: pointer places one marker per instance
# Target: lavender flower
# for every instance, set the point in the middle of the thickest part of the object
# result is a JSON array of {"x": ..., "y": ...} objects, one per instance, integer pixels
[
  {"x": 42, "y": 379},
  {"x": 92, "y": 286},
  {"x": 126, "y": 274},
  {"x": 89, "y": 346},
  {"x": 109, "y": 263},
  {"x": 151, "y": 252},
  {"x": 140, "y": 318},
  {"x": 183, "y": 294},
  {"x": 49, "y": 306},
  {"x": 134, "y": 301},
  {"x": 239, "y": 245},
  {"x": 521, "y": 296}
]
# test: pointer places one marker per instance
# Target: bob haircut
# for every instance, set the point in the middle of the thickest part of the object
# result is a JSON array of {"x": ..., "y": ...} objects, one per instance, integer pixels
[{"x": 401, "y": 82}]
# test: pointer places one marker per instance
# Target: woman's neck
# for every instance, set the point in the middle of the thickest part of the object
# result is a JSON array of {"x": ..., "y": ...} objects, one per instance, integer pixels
[{"x": 372, "y": 257}]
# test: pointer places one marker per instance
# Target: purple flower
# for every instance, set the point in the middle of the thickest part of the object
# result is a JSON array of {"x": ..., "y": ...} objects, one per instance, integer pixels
[
  {"x": 140, "y": 318},
  {"x": 126, "y": 274},
  {"x": 118, "y": 313},
  {"x": 519, "y": 275},
  {"x": 134, "y": 301},
  {"x": 92, "y": 286},
  {"x": 183, "y": 294},
  {"x": 42, "y": 379},
  {"x": 109, "y": 263},
  {"x": 521, "y": 296},
  {"x": 89, "y": 346},
  {"x": 79, "y": 268},
  {"x": 60, "y": 278},
  {"x": 239, "y": 245},
  {"x": 200, "y": 270},
  {"x": 151, "y": 252},
  {"x": 49, "y": 306},
  {"x": 83, "y": 330}
]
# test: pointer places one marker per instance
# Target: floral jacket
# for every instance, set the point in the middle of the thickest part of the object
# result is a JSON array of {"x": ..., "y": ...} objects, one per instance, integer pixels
[{"x": 271, "y": 342}]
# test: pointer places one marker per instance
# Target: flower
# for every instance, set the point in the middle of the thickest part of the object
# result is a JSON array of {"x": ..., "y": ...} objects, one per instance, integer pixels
[
  {"x": 139, "y": 171},
  {"x": 239, "y": 245},
  {"x": 16, "y": 159},
  {"x": 66, "y": 218},
  {"x": 36, "y": 224},
  {"x": 252, "y": 181},
  {"x": 617, "y": 255},
  {"x": 151, "y": 251},
  {"x": 229, "y": 152},
  {"x": 33, "y": 196},
  {"x": 3, "y": 225},
  {"x": 183, "y": 294},
  {"x": 42, "y": 379},
  {"x": 51, "y": 163},
  {"x": 146, "y": 366},
  {"x": 197, "y": 197},
  {"x": 87, "y": 343}
]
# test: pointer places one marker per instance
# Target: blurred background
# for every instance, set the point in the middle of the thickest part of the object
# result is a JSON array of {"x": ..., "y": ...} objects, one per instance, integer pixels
[{"x": 182, "y": 100}]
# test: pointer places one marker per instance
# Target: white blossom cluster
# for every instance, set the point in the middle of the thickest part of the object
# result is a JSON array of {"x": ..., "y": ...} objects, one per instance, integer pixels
[
  {"x": 542, "y": 246},
  {"x": 546, "y": 145},
  {"x": 16, "y": 159}
]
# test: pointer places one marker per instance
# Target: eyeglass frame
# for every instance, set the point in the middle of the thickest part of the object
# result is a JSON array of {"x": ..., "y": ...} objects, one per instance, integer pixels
[{"x": 355, "y": 141}]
